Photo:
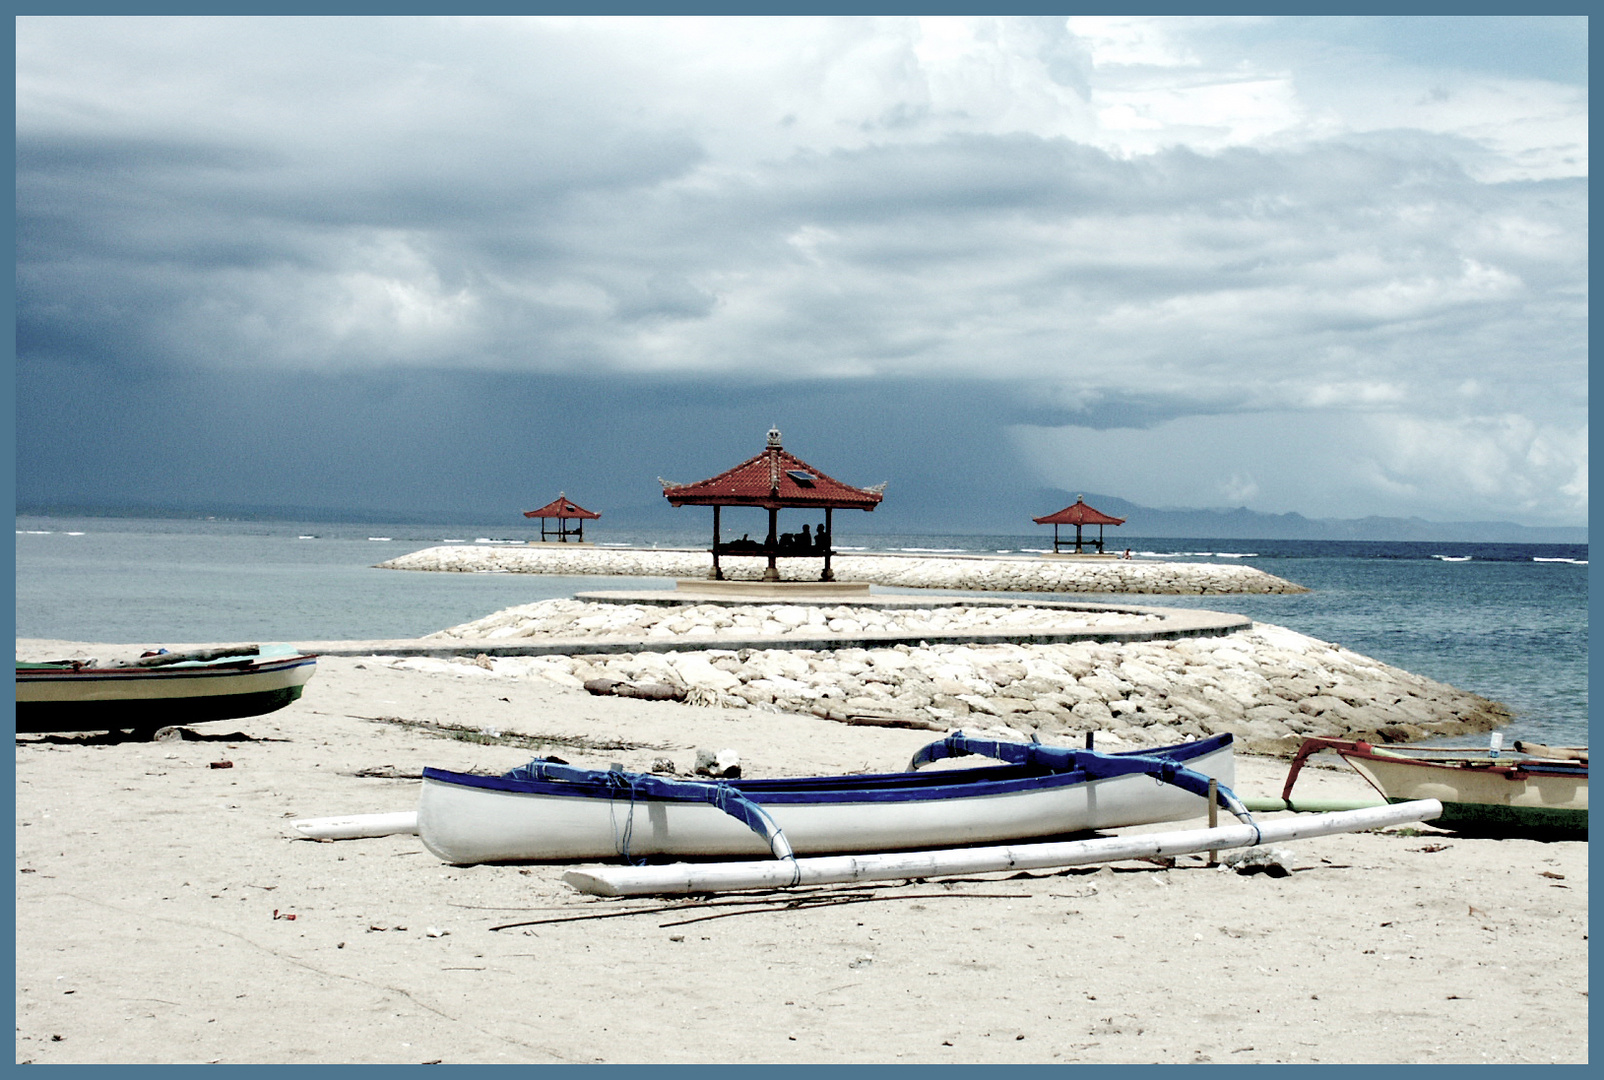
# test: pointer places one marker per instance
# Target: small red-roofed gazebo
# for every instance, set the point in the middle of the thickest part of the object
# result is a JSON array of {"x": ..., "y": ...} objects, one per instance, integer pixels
[
  {"x": 564, "y": 510},
  {"x": 774, "y": 480},
  {"x": 1078, "y": 515}
]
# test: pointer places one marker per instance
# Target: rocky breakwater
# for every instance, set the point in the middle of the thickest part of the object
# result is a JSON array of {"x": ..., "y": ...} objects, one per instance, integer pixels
[
  {"x": 578, "y": 620},
  {"x": 1268, "y": 685},
  {"x": 989, "y": 573}
]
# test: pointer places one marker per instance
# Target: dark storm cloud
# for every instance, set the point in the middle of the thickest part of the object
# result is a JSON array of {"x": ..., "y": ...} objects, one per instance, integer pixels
[
  {"x": 1095, "y": 225},
  {"x": 496, "y": 444}
]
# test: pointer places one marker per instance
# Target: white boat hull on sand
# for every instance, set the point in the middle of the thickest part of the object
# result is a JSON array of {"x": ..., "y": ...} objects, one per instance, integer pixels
[{"x": 466, "y": 820}]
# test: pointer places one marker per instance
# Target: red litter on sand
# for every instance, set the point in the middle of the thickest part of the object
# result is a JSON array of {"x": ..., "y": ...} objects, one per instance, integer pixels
[
  {"x": 222, "y": 764},
  {"x": 276, "y": 915}
]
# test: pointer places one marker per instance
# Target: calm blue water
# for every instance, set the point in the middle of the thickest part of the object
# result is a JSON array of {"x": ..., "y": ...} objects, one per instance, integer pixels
[{"x": 1508, "y": 621}]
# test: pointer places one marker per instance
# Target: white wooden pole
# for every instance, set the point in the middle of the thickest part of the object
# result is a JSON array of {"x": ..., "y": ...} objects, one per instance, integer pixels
[
  {"x": 891, "y": 866},
  {"x": 357, "y": 826}
]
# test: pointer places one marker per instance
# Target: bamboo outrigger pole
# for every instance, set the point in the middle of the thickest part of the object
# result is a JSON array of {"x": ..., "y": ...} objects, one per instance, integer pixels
[
  {"x": 358, "y": 826},
  {"x": 679, "y": 878}
]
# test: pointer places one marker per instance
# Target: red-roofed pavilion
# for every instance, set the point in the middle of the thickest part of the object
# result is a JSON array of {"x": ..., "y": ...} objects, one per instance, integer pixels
[
  {"x": 1078, "y": 515},
  {"x": 564, "y": 510},
  {"x": 774, "y": 480}
]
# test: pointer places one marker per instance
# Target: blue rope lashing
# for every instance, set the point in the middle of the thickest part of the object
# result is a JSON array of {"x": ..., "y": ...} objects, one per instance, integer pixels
[
  {"x": 737, "y": 805},
  {"x": 617, "y": 779},
  {"x": 728, "y": 799}
]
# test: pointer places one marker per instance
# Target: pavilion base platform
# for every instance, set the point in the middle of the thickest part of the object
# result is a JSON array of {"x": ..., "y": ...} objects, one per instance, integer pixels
[
  {"x": 1092, "y": 555},
  {"x": 676, "y": 598},
  {"x": 560, "y": 543},
  {"x": 773, "y": 590}
]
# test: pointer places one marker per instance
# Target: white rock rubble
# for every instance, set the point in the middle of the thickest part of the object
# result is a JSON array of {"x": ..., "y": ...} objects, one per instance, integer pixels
[
  {"x": 583, "y": 620},
  {"x": 1268, "y": 685},
  {"x": 1031, "y": 573}
]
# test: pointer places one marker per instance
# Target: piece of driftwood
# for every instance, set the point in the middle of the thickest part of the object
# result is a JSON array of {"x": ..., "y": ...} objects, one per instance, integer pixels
[
  {"x": 865, "y": 719},
  {"x": 647, "y": 691},
  {"x": 1552, "y": 753},
  {"x": 162, "y": 659},
  {"x": 386, "y": 772}
]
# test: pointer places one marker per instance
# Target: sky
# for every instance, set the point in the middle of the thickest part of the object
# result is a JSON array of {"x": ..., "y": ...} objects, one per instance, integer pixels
[{"x": 1333, "y": 266}]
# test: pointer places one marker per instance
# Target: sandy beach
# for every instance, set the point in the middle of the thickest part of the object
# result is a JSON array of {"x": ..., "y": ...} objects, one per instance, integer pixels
[{"x": 166, "y": 914}]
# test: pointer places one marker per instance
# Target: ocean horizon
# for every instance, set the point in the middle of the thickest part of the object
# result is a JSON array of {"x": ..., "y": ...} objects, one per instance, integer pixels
[{"x": 1508, "y": 621}]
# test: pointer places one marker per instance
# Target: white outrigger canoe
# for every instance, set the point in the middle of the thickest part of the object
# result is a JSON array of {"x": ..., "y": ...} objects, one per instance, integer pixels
[
  {"x": 547, "y": 812},
  {"x": 161, "y": 690}
]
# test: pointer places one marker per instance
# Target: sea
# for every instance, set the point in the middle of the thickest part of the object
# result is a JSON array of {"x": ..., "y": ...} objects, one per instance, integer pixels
[{"x": 1507, "y": 621}]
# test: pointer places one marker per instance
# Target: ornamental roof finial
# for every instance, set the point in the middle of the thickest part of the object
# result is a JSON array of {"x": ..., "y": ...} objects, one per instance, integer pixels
[{"x": 774, "y": 437}]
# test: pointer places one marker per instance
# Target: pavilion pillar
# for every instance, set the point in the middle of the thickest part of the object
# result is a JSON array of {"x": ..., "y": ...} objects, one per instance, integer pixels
[
  {"x": 773, "y": 572},
  {"x": 829, "y": 542},
  {"x": 1077, "y": 538},
  {"x": 716, "y": 574}
]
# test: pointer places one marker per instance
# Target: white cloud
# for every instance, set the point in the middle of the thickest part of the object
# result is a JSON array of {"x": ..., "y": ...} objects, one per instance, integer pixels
[{"x": 1496, "y": 468}]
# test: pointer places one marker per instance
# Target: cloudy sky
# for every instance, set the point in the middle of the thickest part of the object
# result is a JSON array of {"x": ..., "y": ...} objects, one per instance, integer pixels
[{"x": 1332, "y": 266}]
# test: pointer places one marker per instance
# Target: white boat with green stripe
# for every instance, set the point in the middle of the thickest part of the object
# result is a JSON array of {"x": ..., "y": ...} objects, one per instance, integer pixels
[{"x": 161, "y": 690}]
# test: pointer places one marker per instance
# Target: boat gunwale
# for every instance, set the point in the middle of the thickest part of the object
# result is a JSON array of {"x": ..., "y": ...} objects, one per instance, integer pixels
[
  {"x": 1516, "y": 767},
  {"x": 60, "y": 671}
]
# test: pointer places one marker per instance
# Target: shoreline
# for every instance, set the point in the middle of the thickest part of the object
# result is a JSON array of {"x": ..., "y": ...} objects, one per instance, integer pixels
[{"x": 186, "y": 873}]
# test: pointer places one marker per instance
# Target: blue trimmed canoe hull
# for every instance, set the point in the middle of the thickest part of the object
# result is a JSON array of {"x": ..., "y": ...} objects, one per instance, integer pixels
[{"x": 465, "y": 819}]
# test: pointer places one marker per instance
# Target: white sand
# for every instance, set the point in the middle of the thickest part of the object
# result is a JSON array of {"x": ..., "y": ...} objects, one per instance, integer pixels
[{"x": 148, "y": 884}]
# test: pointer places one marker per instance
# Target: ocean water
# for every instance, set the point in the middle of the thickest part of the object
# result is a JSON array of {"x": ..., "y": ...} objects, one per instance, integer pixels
[{"x": 1508, "y": 621}]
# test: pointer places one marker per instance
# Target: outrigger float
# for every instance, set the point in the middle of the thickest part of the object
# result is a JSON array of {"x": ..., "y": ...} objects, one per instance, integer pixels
[{"x": 683, "y": 878}]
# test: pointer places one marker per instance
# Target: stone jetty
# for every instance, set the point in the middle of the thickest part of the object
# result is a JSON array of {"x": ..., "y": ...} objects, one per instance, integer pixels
[
  {"x": 981, "y": 573},
  {"x": 1266, "y": 684},
  {"x": 577, "y": 620}
]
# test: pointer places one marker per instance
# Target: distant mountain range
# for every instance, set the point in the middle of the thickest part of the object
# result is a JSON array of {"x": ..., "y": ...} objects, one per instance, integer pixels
[{"x": 1244, "y": 524}]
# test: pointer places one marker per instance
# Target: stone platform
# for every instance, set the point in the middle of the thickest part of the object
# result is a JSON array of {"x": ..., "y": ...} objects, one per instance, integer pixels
[{"x": 799, "y": 592}]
